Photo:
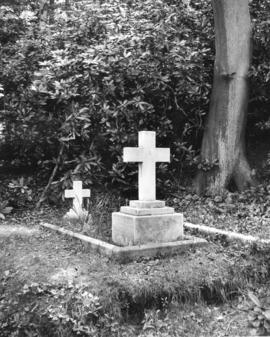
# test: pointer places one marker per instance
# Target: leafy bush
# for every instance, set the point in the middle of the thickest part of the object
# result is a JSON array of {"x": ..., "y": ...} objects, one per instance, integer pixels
[
  {"x": 259, "y": 315},
  {"x": 77, "y": 91},
  {"x": 4, "y": 209},
  {"x": 62, "y": 310},
  {"x": 97, "y": 77},
  {"x": 20, "y": 192},
  {"x": 260, "y": 70}
]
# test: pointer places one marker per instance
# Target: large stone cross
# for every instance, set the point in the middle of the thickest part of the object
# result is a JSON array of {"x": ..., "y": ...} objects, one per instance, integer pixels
[
  {"x": 147, "y": 155},
  {"x": 77, "y": 194}
]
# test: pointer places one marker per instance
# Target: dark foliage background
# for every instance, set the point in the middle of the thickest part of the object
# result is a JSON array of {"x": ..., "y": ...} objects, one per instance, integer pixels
[{"x": 75, "y": 92}]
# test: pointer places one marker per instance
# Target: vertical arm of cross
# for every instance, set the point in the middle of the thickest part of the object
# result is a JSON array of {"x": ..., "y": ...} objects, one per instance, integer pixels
[
  {"x": 147, "y": 155},
  {"x": 147, "y": 169}
]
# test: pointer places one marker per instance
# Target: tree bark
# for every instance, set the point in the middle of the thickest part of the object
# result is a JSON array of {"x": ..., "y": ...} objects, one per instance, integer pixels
[{"x": 224, "y": 136}]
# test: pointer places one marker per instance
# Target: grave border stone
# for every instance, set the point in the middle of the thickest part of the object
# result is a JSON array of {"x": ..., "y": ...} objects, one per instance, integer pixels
[{"x": 130, "y": 253}]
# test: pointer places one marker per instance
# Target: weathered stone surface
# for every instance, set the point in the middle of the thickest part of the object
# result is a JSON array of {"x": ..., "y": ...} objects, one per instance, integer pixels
[
  {"x": 147, "y": 204},
  {"x": 146, "y": 211},
  {"x": 128, "y": 230}
]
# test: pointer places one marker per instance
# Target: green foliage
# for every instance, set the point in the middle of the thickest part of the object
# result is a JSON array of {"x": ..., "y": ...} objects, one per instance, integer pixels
[
  {"x": 156, "y": 323},
  {"x": 95, "y": 77},
  {"x": 48, "y": 310},
  {"x": 20, "y": 186},
  {"x": 19, "y": 192},
  {"x": 4, "y": 209},
  {"x": 260, "y": 70},
  {"x": 259, "y": 315}
]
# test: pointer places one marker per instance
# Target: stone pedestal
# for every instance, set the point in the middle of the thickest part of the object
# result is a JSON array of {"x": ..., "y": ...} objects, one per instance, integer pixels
[
  {"x": 146, "y": 222},
  {"x": 73, "y": 215}
]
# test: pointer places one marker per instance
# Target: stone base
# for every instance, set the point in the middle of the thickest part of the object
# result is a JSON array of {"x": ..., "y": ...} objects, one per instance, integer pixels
[
  {"x": 147, "y": 204},
  {"x": 130, "y": 230},
  {"x": 146, "y": 211},
  {"x": 72, "y": 215}
]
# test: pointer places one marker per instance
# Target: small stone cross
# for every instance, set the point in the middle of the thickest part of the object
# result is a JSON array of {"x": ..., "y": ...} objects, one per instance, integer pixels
[
  {"x": 77, "y": 194},
  {"x": 147, "y": 155}
]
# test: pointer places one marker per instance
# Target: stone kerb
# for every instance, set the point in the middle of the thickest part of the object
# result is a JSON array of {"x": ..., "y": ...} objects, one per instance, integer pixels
[{"x": 129, "y": 253}]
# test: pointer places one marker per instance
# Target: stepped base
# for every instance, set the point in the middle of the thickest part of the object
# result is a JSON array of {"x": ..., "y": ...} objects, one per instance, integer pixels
[{"x": 73, "y": 215}]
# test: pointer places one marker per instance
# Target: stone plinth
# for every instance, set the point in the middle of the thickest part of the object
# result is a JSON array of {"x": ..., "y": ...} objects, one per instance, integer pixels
[
  {"x": 146, "y": 211},
  {"x": 147, "y": 203},
  {"x": 130, "y": 229},
  {"x": 76, "y": 215}
]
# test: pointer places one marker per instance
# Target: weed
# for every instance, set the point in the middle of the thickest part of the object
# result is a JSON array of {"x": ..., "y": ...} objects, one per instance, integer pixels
[{"x": 4, "y": 209}]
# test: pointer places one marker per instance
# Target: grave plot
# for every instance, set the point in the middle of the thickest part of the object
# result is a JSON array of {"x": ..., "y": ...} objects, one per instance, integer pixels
[
  {"x": 145, "y": 228},
  {"x": 200, "y": 292}
]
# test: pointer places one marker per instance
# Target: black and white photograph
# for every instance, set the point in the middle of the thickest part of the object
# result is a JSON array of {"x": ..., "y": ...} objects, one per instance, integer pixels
[{"x": 134, "y": 168}]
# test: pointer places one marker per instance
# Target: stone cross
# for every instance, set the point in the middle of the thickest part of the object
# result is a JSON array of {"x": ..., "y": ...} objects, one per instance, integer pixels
[
  {"x": 147, "y": 155},
  {"x": 77, "y": 194}
]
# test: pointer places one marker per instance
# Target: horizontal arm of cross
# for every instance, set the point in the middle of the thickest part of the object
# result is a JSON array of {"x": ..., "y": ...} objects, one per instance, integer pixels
[
  {"x": 86, "y": 193},
  {"x": 162, "y": 154},
  {"x": 139, "y": 154},
  {"x": 69, "y": 194},
  {"x": 132, "y": 154}
]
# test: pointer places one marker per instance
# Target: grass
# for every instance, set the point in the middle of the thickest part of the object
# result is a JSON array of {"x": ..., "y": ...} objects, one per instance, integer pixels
[
  {"x": 192, "y": 294},
  {"x": 211, "y": 275}
]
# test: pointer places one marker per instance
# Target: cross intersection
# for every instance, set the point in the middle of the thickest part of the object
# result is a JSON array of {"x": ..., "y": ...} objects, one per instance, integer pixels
[
  {"x": 147, "y": 155},
  {"x": 77, "y": 194}
]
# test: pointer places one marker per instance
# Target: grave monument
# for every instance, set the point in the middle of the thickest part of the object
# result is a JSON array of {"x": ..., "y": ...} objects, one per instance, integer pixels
[
  {"x": 145, "y": 228},
  {"x": 77, "y": 193},
  {"x": 146, "y": 220}
]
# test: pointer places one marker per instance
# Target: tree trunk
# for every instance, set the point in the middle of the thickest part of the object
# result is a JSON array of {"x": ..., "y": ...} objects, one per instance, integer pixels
[{"x": 224, "y": 137}]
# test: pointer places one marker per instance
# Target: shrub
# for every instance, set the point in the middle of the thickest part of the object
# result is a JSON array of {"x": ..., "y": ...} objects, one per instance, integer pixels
[
  {"x": 102, "y": 75},
  {"x": 77, "y": 91},
  {"x": 260, "y": 70},
  {"x": 259, "y": 315},
  {"x": 57, "y": 310}
]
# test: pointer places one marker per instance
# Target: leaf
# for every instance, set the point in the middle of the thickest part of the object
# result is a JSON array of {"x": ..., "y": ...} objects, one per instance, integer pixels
[
  {"x": 256, "y": 324},
  {"x": 254, "y": 299},
  {"x": 7, "y": 210},
  {"x": 266, "y": 314},
  {"x": 3, "y": 204},
  {"x": 266, "y": 326},
  {"x": 2, "y": 216},
  {"x": 253, "y": 332}
]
